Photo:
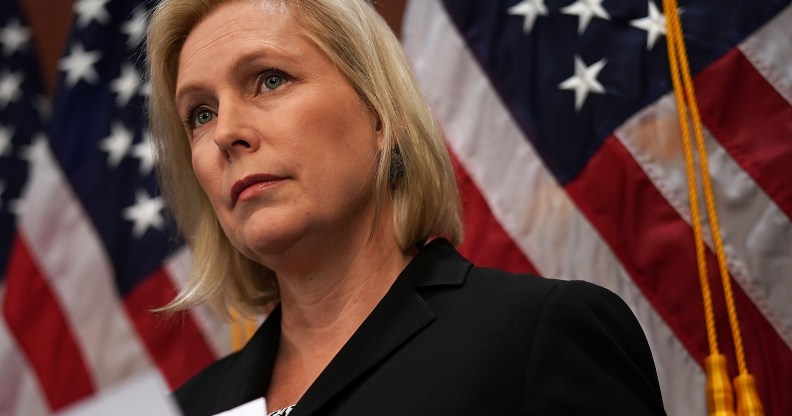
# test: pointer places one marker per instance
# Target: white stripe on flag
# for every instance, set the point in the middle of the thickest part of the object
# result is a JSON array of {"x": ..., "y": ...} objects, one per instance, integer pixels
[
  {"x": 19, "y": 392},
  {"x": 757, "y": 235},
  {"x": 30, "y": 401},
  {"x": 215, "y": 330},
  {"x": 770, "y": 52},
  {"x": 52, "y": 221},
  {"x": 524, "y": 197}
]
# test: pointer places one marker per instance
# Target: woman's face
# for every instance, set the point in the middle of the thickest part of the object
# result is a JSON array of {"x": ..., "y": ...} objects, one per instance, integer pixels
[{"x": 281, "y": 143}]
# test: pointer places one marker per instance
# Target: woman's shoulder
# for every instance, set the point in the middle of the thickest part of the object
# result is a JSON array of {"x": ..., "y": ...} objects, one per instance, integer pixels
[
  {"x": 566, "y": 305},
  {"x": 575, "y": 328},
  {"x": 439, "y": 262},
  {"x": 526, "y": 286},
  {"x": 458, "y": 278}
]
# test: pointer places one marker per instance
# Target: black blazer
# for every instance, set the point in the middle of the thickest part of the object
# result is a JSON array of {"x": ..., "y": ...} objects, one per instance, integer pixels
[{"x": 452, "y": 339}]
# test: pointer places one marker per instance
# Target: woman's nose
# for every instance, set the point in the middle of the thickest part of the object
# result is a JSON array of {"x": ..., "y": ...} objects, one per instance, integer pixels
[{"x": 235, "y": 132}]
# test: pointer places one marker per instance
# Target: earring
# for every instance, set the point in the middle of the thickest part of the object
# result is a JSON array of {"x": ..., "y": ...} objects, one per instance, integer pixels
[{"x": 396, "y": 164}]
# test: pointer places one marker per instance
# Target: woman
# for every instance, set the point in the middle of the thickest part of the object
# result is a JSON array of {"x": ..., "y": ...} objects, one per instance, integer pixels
[{"x": 303, "y": 166}]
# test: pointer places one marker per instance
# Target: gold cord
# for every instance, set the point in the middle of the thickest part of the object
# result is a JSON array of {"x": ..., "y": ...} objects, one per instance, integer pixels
[
  {"x": 242, "y": 328},
  {"x": 747, "y": 400},
  {"x": 690, "y": 170}
]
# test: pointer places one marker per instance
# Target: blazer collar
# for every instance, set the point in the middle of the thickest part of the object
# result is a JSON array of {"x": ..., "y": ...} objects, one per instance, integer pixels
[
  {"x": 400, "y": 315},
  {"x": 436, "y": 264}
]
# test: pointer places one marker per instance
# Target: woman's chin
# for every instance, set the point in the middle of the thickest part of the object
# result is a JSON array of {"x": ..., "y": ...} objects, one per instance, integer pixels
[{"x": 265, "y": 243}]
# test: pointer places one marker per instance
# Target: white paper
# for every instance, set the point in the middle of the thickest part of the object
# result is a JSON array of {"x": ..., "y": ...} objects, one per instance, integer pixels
[
  {"x": 144, "y": 395},
  {"x": 255, "y": 408}
]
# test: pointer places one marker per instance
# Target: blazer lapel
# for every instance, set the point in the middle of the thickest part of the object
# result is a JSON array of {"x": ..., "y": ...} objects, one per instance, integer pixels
[
  {"x": 249, "y": 378},
  {"x": 399, "y": 316}
]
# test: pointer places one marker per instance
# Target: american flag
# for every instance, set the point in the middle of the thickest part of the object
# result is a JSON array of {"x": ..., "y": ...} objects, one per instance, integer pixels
[
  {"x": 561, "y": 118},
  {"x": 86, "y": 248},
  {"x": 561, "y": 121}
]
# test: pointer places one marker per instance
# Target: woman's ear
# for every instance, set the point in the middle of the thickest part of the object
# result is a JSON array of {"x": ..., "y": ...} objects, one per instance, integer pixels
[{"x": 378, "y": 132}]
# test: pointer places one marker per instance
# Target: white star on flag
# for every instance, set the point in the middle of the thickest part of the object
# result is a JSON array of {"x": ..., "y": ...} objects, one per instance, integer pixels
[
  {"x": 34, "y": 153},
  {"x": 654, "y": 24},
  {"x": 10, "y": 83},
  {"x": 90, "y": 10},
  {"x": 585, "y": 10},
  {"x": 79, "y": 64},
  {"x": 14, "y": 206},
  {"x": 116, "y": 144},
  {"x": 126, "y": 84},
  {"x": 135, "y": 27},
  {"x": 145, "y": 89},
  {"x": 6, "y": 133},
  {"x": 584, "y": 81},
  {"x": 145, "y": 213},
  {"x": 143, "y": 152},
  {"x": 530, "y": 9},
  {"x": 14, "y": 37}
]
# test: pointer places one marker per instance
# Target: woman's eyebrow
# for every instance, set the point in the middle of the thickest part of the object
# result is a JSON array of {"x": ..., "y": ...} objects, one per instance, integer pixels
[
  {"x": 187, "y": 90},
  {"x": 251, "y": 60},
  {"x": 247, "y": 62}
]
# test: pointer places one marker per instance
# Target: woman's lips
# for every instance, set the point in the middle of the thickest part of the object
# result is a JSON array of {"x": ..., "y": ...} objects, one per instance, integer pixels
[{"x": 259, "y": 181}]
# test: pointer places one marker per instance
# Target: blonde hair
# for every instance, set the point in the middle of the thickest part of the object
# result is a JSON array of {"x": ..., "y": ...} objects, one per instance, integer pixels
[{"x": 357, "y": 40}]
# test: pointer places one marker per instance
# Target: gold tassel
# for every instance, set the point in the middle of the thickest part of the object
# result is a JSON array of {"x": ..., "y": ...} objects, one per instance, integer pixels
[
  {"x": 748, "y": 403},
  {"x": 720, "y": 400}
]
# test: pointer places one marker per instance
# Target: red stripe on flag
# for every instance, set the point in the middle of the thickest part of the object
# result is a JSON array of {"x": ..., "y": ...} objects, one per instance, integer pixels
[
  {"x": 173, "y": 340},
  {"x": 655, "y": 245},
  {"x": 486, "y": 243},
  {"x": 751, "y": 120},
  {"x": 34, "y": 316}
]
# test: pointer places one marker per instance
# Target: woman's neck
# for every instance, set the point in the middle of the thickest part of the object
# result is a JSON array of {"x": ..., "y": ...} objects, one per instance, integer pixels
[
  {"x": 332, "y": 280},
  {"x": 331, "y": 301},
  {"x": 323, "y": 306}
]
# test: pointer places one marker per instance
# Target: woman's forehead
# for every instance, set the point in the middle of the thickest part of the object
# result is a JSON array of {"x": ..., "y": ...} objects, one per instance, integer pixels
[
  {"x": 240, "y": 26},
  {"x": 231, "y": 19}
]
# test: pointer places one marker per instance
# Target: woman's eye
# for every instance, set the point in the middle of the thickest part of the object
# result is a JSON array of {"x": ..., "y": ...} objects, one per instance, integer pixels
[
  {"x": 272, "y": 81},
  {"x": 202, "y": 117}
]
